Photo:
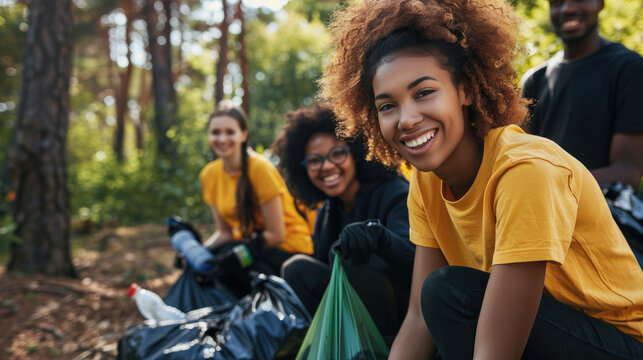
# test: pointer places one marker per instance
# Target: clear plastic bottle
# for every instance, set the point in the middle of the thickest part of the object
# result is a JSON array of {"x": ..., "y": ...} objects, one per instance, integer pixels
[
  {"x": 194, "y": 252},
  {"x": 151, "y": 306}
]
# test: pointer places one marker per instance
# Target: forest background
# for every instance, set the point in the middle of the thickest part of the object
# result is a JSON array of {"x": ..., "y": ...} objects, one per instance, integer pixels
[
  {"x": 103, "y": 134},
  {"x": 131, "y": 163}
]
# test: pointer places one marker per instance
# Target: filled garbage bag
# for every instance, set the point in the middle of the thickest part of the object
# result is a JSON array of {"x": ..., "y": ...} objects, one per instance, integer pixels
[
  {"x": 266, "y": 324},
  {"x": 627, "y": 209},
  {"x": 342, "y": 328},
  {"x": 188, "y": 293},
  {"x": 174, "y": 339}
]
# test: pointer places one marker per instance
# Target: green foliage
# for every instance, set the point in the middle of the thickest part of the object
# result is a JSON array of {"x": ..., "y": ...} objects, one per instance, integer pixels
[
  {"x": 620, "y": 21},
  {"x": 144, "y": 187},
  {"x": 32, "y": 348},
  {"x": 53, "y": 352},
  {"x": 7, "y": 236},
  {"x": 13, "y": 29},
  {"x": 286, "y": 51},
  {"x": 317, "y": 10},
  {"x": 286, "y": 57}
]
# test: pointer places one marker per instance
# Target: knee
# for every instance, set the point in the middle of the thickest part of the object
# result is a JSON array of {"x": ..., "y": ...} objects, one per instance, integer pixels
[
  {"x": 446, "y": 285},
  {"x": 293, "y": 267},
  {"x": 434, "y": 288}
]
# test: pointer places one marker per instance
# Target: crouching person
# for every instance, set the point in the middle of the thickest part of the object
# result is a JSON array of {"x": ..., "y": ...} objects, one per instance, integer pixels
[
  {"x": 363, "y": 213},
  {"x": 517, "y": 253}
]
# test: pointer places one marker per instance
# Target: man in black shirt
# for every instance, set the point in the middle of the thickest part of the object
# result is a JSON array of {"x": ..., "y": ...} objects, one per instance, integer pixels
[{"x": 588, "y": 98}]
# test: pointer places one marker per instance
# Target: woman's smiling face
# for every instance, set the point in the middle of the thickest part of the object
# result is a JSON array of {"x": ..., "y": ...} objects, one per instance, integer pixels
[
  {"x": 335, "y": 180},
  {"x": 225, "y": 136},
  {"x": 421, "y": 111}
]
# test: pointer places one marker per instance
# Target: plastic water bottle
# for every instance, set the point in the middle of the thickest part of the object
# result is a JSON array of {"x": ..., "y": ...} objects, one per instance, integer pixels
[
  {"x": 194, "y": 252},
  {"x": 151, "y": 306}
]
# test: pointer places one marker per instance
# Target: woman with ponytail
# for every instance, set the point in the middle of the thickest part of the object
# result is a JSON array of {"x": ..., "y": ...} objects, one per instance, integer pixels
[{"x": 257, "y": 225}]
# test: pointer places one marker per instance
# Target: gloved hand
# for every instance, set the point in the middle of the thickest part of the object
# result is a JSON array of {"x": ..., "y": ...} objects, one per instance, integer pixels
[
  {"x": 175, "y": 224},
  {"x": 359, "y": 240},
  {"x": 239, "y": 257}
]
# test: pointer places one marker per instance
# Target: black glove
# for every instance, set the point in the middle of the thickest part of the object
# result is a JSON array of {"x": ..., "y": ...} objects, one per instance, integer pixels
[
  {"x": 175, "y": 224},
  {"x": 359, "y": 240},
  {"x": 238, "y": 257}
]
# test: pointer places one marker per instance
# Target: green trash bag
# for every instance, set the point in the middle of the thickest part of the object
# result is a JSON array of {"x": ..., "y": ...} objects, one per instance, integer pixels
[{"x": 342, "y": 328}]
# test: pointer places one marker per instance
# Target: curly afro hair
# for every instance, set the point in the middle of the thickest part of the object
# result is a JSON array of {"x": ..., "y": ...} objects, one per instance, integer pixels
[
  {"x": 473, "y": 39},
  {"x": 290, "y": 146}
]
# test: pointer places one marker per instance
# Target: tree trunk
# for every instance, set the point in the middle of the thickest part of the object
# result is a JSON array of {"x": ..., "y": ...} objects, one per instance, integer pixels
[
  {"x": 122, "y": 95},
  {"x": 181, "y": 22},
  {"x": 222, "y": 64},
  {"x": 104, "y": 34},
  {"x": 37, "y": 159},
  {"x": 243, "y": 60},
  {"x": 157, "y": 17},
  {"x": 143, "y": 100}
]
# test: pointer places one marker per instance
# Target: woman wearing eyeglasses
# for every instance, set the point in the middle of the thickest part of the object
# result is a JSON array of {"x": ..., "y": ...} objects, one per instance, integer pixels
[{"x": 363, "y": 213}]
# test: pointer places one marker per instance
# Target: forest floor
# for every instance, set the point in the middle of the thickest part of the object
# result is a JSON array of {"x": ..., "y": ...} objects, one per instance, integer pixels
[{"x": 43, "y": 317}]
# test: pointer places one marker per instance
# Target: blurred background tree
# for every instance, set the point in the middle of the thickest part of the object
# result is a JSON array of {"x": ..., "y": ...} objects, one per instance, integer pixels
[
  {"x": 37, "y": 158},
  {"x": 146, "y": 74}
]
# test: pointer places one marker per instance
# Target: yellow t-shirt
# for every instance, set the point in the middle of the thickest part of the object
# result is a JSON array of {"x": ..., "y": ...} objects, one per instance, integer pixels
[
  {"x": 531, "y": 201},
  {"x": 219, "y": 190},
  {"x": 406, "y": 170},
  {"x": 309, "y": 214}
]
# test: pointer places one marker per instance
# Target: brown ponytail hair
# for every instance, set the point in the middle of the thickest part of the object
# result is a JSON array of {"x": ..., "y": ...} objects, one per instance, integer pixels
[{"x": 245, "y": 205}]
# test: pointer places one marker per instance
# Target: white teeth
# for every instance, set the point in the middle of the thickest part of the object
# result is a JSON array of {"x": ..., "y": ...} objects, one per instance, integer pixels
[
  {"x": 570, "y": 23},
  {"x": 420, "y": 140},
  {"x": 331, "y": 177}
]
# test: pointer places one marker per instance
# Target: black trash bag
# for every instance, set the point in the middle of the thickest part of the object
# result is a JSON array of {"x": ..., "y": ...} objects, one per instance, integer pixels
[
  {"x": 627, "y": 209},
  {"x": 188, "y": 293},
  {"x": 268, "y": 323},
  {"x": 174, "y": 339}
]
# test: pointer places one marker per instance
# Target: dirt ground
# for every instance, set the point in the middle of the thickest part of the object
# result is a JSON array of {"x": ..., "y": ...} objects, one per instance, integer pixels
[{"x": 45, "y": 317}]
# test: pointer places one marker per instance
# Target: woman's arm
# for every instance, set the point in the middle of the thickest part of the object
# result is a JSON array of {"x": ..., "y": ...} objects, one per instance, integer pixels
[
  {"x": 275, "y": 227},
  {"x": 626, "y": 161},
  {"x": 414, "y": 341},
  {"x": 223, "y": 233},
  {"x": 509, "y": 308}
]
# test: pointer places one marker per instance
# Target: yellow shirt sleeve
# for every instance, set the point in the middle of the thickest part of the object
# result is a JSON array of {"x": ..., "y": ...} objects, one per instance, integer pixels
[
  {"x": 420, "y": 232},
  {"x": 535, "y": 213},
  {"x": 265, "y": 179},
  {"x": 208, "y": 179}
]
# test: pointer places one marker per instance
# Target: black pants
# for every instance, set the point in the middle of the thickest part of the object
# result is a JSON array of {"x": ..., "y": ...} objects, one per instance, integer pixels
[
  {"x": 451, "y": 302},
  {"x": 238, "y": 282},
  {"x": 383, "y": 299}
]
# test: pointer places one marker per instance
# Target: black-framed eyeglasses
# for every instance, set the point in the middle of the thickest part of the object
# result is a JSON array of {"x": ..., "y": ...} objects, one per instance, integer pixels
[{"x": 336, "y": 155}]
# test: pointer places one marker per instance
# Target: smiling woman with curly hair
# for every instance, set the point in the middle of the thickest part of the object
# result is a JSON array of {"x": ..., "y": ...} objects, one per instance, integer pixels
[
  {"x": 511, "y": 232},
  {"x": 480, "y": 33}
]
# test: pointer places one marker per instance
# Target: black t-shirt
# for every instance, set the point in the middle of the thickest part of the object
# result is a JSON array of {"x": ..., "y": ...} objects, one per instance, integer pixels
[{"x": 581, "y": 104}]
